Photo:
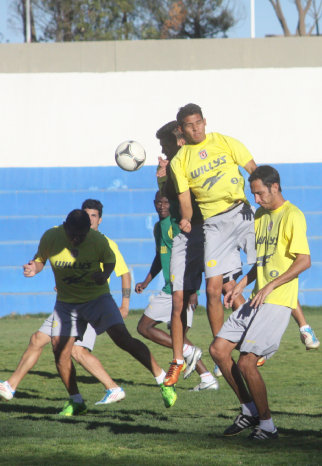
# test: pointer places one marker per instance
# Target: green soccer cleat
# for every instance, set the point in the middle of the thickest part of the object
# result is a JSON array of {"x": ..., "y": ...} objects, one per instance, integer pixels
[
  {"x": 169, "y": 395},
  {"x": 73, "y": 409}
]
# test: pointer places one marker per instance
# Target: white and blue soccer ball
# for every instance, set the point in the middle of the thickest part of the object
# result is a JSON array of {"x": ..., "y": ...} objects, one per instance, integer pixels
[{"x": 130, "y": 155}]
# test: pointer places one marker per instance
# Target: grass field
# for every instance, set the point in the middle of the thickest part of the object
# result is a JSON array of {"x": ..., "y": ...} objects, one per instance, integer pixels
[{"x": 140, "y": 430}]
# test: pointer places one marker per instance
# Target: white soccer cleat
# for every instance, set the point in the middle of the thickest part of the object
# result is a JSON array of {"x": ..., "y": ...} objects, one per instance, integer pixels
[
  {"x": 112, "y": 395},
  {"x": 309, "y": 339},
  {"x": 5, "y": 391},
  {"x": 213, "y": 385},
  {"x": 191, "y": 361}
]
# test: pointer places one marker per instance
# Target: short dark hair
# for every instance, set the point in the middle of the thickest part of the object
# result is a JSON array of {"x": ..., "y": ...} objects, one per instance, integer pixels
[
  {"x": 189, "y": 109},
  {"x": 93, "y": 204},
  {"x": 77, "y": 221},
  {"x": 267, "y": 174},
  {"x": 167, "y": 131}
]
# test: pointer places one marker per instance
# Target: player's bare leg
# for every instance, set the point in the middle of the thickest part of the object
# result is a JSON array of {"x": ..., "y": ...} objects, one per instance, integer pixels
[
  {"x": 62, "y": 348},
  {"x": 93, "y": 365},
  {"x": 215, "y": 308},
  {"x": 122, "y": 338},
  {"x": 247, "y": 364},
  {"x": 30, "y": 357}
]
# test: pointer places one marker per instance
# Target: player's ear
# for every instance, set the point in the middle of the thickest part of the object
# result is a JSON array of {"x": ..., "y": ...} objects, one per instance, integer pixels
[
  {"x": 205, "y": 121},
  {"x": 99, "y": 220}
]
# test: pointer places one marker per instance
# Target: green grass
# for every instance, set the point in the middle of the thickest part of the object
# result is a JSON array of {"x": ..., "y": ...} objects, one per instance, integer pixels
[{"x": 140, "y": 430}]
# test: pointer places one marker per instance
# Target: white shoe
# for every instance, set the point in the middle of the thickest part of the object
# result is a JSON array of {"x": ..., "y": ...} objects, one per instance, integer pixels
[
  {"x": 5, "y": 392},
  {"x": 213, "y": 385},
  {"x": 112, "y": 396},
  {"x": 309, "y": 339},
  {"x": 191, "y": 361},
  {"x": 217, "y": 371}
]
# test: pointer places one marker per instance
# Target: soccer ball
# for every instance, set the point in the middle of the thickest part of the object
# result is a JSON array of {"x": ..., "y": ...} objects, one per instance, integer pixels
[{"x": 130, "y": 155}]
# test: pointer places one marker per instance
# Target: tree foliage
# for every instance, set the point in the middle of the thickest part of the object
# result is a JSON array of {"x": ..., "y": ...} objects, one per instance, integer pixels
[
  {"x": 309, "y": 13},
  {"x": 87, "y": 20}
]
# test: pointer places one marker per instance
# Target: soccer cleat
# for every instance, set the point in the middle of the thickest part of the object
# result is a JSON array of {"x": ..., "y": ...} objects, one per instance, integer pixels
[
  {"x": 191, "y": 361},
  {"x": 309, "y": 339},
  {"x": 169, "y": 395},
  {"x": 241, "y": 422},
  {"x": 112, "y": 396},
  {"x": 213, "y": 385},
  {"x": 73, "y": 409},
  {"x": 5, "y": 391},
  {"x": 217, "y": 371},
  {"x": 173, "y": 373},
  {"x": 261, "y": 361},
  {"x": 261, "y": 434}
]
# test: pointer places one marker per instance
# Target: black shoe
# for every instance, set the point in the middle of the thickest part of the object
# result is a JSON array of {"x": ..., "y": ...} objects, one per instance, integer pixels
[
  {"x": 241, "y": 422},
  {"x": 261, "y": 434}
]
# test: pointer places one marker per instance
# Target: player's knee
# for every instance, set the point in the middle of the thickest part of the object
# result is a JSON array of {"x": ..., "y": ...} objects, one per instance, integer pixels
[
  {"x": 38, "y": 340},
  {"x": 213, "y": 291},
  {"x": 215, "y": 351},
  {"x": 78, "y": 353}
]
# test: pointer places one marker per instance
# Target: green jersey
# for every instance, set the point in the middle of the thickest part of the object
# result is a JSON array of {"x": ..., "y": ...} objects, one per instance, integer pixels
[{"x": 164, "y": 232}]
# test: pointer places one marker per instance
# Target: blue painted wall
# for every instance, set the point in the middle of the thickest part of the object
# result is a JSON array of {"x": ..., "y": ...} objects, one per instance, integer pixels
[{"x": 35, "y": 199}]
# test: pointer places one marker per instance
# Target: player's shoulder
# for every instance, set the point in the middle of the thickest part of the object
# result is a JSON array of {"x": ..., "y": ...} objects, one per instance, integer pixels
[
  {"x": 53, "y": 232},
  {"x": 260, "y": 212},
  {"x": 291, "y": 211},
  {"x": 111, "y": 242}
]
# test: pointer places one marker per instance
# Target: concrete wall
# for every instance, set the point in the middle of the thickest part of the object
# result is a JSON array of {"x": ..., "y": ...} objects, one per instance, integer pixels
[{"x": 65, "y": 107}]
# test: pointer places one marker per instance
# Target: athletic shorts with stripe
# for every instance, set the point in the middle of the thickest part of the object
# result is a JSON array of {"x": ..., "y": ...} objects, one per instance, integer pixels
[
  {"x": 225, "y": 235},
  {"x": 160, "y": 309},
  {"x": 257, "y": 331}
]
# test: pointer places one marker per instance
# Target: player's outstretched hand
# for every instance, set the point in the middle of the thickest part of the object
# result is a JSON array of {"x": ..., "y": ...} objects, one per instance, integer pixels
[
  {"x": 247, "y": 213},
  {"x": 185, "y": 225},
  {"x": 29, "y": 270},
  {"x": 139, "y": 287}
]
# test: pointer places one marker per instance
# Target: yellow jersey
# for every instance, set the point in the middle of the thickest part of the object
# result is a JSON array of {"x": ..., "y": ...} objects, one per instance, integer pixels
[
  {"x": 280, "y": 235},
  {"x": 73, "y": 266},
  {"x": 211, "y": 170},
  {"x": 120, "y": 265}
]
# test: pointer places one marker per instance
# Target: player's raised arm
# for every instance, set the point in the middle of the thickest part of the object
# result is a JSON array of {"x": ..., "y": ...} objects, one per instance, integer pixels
[{"x": 154, "y": 270}]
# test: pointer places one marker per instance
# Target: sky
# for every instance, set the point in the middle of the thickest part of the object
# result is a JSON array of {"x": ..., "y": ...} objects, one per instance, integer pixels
[{"x": 266, "y": 22}]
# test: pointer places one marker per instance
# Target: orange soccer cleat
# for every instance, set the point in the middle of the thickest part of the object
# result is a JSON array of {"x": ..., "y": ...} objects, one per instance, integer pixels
[{"x": 173, "y": 373}]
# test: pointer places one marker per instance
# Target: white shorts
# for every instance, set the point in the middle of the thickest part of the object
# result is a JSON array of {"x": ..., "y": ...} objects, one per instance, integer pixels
[
  {"x": 186, "y": 265},
  {"x": 89, "y": 336},
  {"x": 72, "y": 319},
  {"x": 160, "y": 309},
  {"x": 257, "y": 331},
  {"x": 225, "y": 235}
]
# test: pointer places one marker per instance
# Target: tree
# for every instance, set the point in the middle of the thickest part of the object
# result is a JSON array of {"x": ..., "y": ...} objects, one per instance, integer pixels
[
  {"x": 305, "y": 8},
  {"x": 187, "y": 18},
  {"x": 87, "y": 20}
]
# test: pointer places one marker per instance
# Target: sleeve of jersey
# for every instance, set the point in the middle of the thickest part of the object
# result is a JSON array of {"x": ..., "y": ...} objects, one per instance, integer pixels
[
  {"x": 120, "y": 265},
  {"x": 295, "y": 230},
  {"x": 178, "y": 173},
  {"x": 108, "y": 254},
  {"x": 42, "y": 252},
  {"x": 239, "y": 152}
]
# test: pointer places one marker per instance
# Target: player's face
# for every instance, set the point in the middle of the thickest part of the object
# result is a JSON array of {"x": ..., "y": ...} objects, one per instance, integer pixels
[
  {"x": 94, "y": 218},
  {"x": 169, "y": 147},
  {"x": 264, "y": 196},
  {"x": 162, "y": 206},
  {"x": 75, "y": 237},
  {"x": 194, "y": 129}
]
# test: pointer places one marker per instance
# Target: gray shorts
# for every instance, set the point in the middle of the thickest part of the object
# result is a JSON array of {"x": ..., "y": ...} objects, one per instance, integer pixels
[
  {"x": 225, "y": 235},
  {"x": 72, "y": 319},
  {"x": 257, "y": 331},
  {"x": 89, "y": 336},
  {"x": 160, "y": 309},
  {"x": 186, "y": 265}
]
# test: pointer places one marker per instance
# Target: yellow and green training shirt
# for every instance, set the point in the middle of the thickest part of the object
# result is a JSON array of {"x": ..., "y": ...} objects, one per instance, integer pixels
[{"x": 74, "y": 266}]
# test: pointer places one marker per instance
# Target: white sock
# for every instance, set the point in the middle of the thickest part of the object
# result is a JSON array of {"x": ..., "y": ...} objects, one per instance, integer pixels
[
  {"x": 304, "y": 328},
  {"x": 187, "y": 350},
  {"x": 249, "y": 409},
  {"x": 267, "y": 424},
  {"x": 77, "y": 398},
  {"x": 207, "y": 377},
  {"x": 160, "y": 378},
  {"x": 9, "y": 387},
  {"x": 179, "y": 361}
]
